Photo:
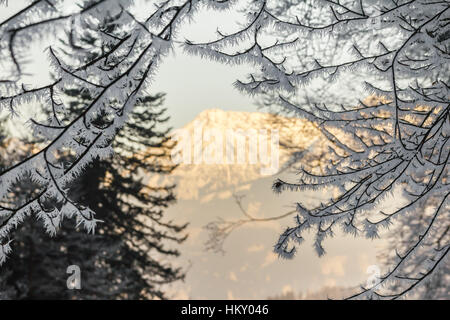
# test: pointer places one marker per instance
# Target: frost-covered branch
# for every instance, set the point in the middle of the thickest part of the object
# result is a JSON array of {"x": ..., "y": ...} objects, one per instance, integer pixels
[
  {"x": 115, "y": 69},
  {"x": 221, "y": 229},
  {"x": 396, "y": 145}
]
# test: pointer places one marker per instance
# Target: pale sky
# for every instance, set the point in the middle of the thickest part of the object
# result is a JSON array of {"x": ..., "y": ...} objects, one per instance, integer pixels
[{"x": 192, "y": 84}]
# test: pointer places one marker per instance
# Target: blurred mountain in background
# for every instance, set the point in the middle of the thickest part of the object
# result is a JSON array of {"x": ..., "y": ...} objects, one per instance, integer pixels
[{"x": 215, "y": 180}]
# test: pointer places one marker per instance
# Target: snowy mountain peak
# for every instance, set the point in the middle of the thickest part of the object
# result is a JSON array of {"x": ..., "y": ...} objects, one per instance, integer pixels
[{"x": 222, "y": 150}]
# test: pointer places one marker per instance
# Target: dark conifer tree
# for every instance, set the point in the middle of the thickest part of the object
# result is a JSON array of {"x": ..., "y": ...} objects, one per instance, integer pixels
[{"x": 129, "y": 255}]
